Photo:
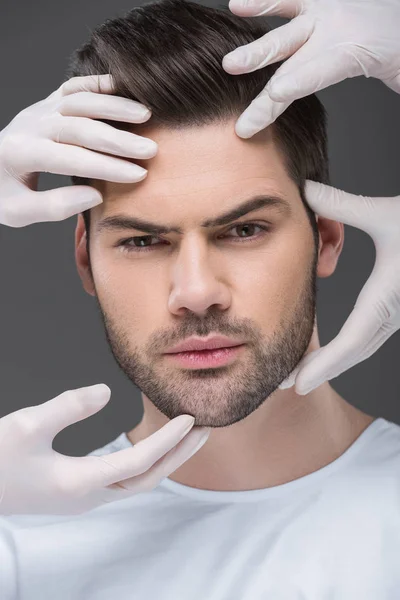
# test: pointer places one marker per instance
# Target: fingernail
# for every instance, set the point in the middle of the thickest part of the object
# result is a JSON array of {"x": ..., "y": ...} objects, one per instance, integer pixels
[
  {"x": 237, "y": 3},
  {"x": 288, "y": 382},
  {"x": 302, "y": 391},
  {"x": 98, "y": 394},
  {"x": 149, "y": 146},
  {"x": 201, "y": 443},
  {"x": 99, "y": 387},
  {"x": 243, "y": 127},
  {"x": 134, "y": 173},
  {"x": 144, "y": 112},
  {"x": 189, "y": 423},
  {"x": 232, "y": 60}
]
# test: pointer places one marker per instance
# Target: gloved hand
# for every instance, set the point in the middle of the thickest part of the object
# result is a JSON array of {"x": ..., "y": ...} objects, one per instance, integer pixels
[
  {"x": 376, "y": 313},
  {"x": 54, "y": 135},
  {"x": 47, "y": 137},
  {"x": 325, "y": 42},
  {"x": 36, "y": 479}
]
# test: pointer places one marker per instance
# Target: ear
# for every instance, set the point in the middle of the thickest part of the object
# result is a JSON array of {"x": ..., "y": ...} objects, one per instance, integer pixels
[
  {"x": 331, "y": 240},
  {"x": 81, "y": 257}
]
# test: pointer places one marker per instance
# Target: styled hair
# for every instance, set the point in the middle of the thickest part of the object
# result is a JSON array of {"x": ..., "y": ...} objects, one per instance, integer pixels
[{"x": 168, "y": 56}]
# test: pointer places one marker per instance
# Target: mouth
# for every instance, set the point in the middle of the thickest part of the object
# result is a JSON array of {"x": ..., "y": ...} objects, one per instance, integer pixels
[{"x": 202, "y": 359}]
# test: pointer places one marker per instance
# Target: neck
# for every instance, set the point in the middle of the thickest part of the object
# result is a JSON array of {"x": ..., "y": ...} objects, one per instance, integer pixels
[{"x": 287, "y": 437}]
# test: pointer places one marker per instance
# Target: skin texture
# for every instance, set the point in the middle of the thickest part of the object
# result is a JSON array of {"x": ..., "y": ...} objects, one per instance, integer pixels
[{"x": 255, "y": 286}]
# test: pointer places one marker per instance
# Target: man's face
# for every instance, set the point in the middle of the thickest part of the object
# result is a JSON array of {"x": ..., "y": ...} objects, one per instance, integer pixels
[{"x": 235, "y": 280}]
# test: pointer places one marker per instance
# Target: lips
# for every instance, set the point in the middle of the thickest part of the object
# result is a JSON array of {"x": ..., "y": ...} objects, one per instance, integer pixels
[
  {"x": 204, "y": 359},
  {"x": 198, "y": 344}
]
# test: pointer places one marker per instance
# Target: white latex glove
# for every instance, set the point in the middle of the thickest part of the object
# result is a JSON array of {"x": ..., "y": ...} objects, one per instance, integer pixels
[
  {"x": 36, "y": 479},
  {"x": 48, "y": 137},
  {"x": 376, "y": 313},
  {"x": 326, "y": 42},
  {"x": 57, "y": 135}
]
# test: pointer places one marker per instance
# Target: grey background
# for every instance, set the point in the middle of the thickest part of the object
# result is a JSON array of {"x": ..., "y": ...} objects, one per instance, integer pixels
[{"x": 52, "y": 338}]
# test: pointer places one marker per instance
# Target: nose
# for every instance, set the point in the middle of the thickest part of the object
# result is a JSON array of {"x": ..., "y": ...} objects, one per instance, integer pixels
[{"x": 198, "y": 282}]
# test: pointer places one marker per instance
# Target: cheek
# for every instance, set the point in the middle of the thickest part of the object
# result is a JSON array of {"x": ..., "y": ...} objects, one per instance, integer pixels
[
  {"x": 270, "y": 281},
  {"x": 126, "y": 293}
]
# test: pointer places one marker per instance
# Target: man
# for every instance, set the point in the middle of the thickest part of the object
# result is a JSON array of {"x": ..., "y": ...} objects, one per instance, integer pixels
[
  {"x": 279, "y": 502},
  {"x": 154, "y": 291},
  {"x": 256, "y": 287}
]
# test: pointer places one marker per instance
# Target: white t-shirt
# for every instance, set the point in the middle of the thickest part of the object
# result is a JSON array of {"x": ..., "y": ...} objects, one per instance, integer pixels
[{"x": 331, "y": 535}]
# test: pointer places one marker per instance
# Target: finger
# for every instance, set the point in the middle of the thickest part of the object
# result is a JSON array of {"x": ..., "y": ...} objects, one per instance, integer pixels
[
  {"x": 64, "y": 159},
  {"x": 168, "y": 464},
  {"x": 356, "y": 210},
  {"x": 274, "y": 46},
  {"x": 381, "y": 336},
  {"x": 137, "y": 460},
  {"x": 86, "y": 133},
  {"x": 70, "y": 407},
  {"x": 99, "y": 84},
  {"x": 291, "y": 379},
  {"x": 314, "y": 75},
  {"x": 97, "y": 106},
  {"x": 384, "y": 332},
  {"x": 51, "y": 205},
  {"x": 303, "y": 55},
  {"x": 281, "y": 8},
  {"x": 260, "y": 113},
  {"x": 346, "y": 349}
]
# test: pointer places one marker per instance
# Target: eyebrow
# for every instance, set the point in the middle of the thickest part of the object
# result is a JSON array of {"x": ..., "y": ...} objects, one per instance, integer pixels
[{"x": 121, "y": 221}]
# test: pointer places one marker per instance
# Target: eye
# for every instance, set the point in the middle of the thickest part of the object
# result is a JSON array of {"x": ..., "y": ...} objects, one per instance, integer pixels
[{"x": 126, "y": 247}]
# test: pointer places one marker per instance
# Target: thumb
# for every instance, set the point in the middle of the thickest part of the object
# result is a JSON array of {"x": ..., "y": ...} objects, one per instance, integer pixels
[
  {"x": 332, "y": 203},
  {"x": 69, "y": 407},
  {"x": 63, "y": 202},
  {"x": 280, "y": 8}
]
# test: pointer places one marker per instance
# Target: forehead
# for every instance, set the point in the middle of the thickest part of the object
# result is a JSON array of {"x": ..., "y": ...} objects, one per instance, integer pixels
[{"x": 209, "y": 163}]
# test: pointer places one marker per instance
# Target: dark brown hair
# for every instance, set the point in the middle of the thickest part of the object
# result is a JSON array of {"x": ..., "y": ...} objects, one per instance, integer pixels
[{"x": 168, "y": 56}]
